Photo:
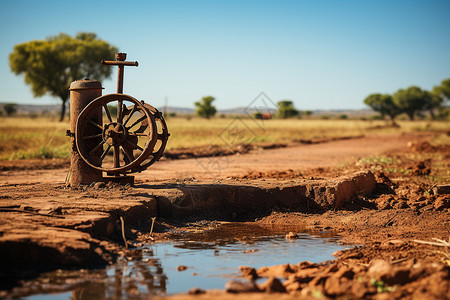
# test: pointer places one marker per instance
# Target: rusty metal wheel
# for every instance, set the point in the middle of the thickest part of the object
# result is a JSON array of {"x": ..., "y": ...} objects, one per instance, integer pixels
[
  {"x": 162, "y": 137},
  {"x": 123, "y": 140}
]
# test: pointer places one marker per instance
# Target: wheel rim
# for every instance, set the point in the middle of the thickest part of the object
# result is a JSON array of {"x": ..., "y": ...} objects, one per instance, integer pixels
[{"x": 123, "y": 139}]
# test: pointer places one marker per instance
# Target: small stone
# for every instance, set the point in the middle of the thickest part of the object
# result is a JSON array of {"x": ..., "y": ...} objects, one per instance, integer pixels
[
  {"x": 441, "y": 203},
  {"x": 182, "y": 268},
  {"x": 272, "y": 285},
  {"x": 99, "y": 185},
  {"x": 379, "y": 269},
  {"x": 248, "y": 272},
  {"x": 291, "y": 235},
  {"x": 196, "y": 291},
  {"x": 238, "y": 286},
  {"x": 442, "y": 189},
  {"x": 401, "y": 204}
]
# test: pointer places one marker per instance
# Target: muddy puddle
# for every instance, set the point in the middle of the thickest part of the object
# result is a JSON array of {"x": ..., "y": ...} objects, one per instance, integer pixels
[{"x": 198, "y": 258}]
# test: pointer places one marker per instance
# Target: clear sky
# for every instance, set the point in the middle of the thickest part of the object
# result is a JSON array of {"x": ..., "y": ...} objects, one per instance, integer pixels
[{"x": 322, "y": 54}]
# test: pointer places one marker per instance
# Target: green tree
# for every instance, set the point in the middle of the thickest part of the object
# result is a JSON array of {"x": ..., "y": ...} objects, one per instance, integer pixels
[
  {"x": 444, "y": 89},
  {"x": 286, "y": 109},
  {"x": 10, "y": 108},
  {"x": 384, "y": 104},
  {"x": 441, "y": 94},
  {"x": 411, "y": 100},
  {"x": 205, "y": 109},
  {"x": 434, "y": 102},
  {"x": 50, "y": 65}
]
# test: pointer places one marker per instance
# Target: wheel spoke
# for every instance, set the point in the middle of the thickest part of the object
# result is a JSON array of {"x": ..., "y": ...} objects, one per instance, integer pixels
[
  {"x": 128, "y": 154},
  {"x": 137, "y": 121},
  {"x": 135, "y": 145},
  {"x": 88, "y": 137},
  {"x": 130, "y": 115},
  {"x": 116, "y": 156},
  {"x": 105, "y": 152},
  {"x": 119, "y": 111},
  {"x": 96, "y": 124},
  {"x": 97, "y": 148},
  {"x": 108, "y": 114}
]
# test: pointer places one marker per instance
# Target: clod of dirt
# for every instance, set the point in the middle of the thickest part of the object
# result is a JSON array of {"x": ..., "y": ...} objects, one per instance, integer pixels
[
  {"x": 291, "y": 235},
  {"x": 420, "y": 168},
  {"x": 196, "y": 291},
  {"x": 182, "y": 268},
  {"x": 272, "y": 285},
  {"x": 421, "y": 147},
  {"x": 442, "y": 189},
  {"x": 442, "y": 203},
  {"x": 239, "y": 286},
  {"x": 248, "y": 272}
]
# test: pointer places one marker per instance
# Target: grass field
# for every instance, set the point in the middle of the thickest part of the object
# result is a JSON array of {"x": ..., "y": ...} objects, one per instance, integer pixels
[{"x": 22, "y": 138}]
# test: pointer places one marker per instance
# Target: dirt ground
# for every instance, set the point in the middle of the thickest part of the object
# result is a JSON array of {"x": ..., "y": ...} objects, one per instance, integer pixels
[{"x": 388, "y": 193}]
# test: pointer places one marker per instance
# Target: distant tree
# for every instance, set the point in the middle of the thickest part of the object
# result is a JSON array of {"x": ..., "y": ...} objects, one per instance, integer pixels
[
  {"x": 434, "y": 102},
  {"x": 384, "y": 104},
  {"x": 286, "y": 109},
  {"x": 444, "y": 89},
  {"x": 308, "y": 113},
  {"x": 205, "y": 109},
  {"x": 51, "y": 65},
  {"x": 411, "y": 100},
  {"x": 441, "y": 94},
  {"x": 10, "y": 108}
]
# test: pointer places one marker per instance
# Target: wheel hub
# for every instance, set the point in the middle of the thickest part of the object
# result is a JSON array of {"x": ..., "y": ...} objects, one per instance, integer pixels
[{"x": 115, "y": 134}]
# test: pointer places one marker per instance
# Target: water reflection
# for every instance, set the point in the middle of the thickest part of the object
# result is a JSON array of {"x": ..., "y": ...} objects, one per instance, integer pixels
[{"x": 211, "y": 259}]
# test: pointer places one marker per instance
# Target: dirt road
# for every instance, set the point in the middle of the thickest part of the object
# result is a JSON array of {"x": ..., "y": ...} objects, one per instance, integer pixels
[{"x": 295, "y": 158}]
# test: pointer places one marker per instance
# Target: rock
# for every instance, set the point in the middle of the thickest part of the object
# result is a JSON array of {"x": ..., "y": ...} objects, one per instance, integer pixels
[
  {"x": 182, "y": 268},
  {"x": 277, "y": 271},
  {"x": 291, "y": 235},
  {"x": 99, "y": 185},
  {"x": 392, "y": 243},
  {"x": 401, "y": 204},
  {"x": 272, "y": 285},
  {"x": 238, "y": 286},
  {"x": 304, "y": 275},
  {"x": 306, "y": 264},
  {"x": 379, "y": 269},
  {"x": 442, "y": 189},
  {"x": 336, "y": 286},
  {"x": 441, "y": 203},
  {"x": 196, "y": 291},
  {"x": 248, "y": 272},
  {"x": 382, "y": 270}
]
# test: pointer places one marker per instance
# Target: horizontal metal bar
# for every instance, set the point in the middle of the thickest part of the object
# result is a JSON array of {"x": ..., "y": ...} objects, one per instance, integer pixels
[{"x": 120, "y": 63}]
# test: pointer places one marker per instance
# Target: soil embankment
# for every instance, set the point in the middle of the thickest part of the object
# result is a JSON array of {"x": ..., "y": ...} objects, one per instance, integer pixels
[{"x": 392, "y": 206}]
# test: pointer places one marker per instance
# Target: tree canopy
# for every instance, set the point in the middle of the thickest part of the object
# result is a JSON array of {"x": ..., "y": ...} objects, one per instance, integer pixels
[
  {"x": 286, "y": 109},
  {"x": 384, "y": 104},
  {"x": 411, "y": 100},
  {"x": 10, "y": 108},
  {"x": 205, "y": 109},
  {"x": 50, "y": 65}
]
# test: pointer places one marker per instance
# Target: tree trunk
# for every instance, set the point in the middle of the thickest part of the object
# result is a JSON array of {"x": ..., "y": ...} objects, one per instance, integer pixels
[
  {"x": 63, "y": 109},
  {"x": 410, "y": 115},
  {"x": 393, "y": 121},
  {"x": 432, "y": 114}
]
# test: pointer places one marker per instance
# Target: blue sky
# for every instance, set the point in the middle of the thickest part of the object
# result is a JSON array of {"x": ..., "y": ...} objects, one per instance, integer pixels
[{"x": 322, "y": 54}]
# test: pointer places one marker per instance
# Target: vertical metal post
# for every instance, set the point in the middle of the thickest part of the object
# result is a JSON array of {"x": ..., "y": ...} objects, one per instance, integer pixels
[
  {"x": 120, "y": 57},
  {"x": 82, "y": 92}
]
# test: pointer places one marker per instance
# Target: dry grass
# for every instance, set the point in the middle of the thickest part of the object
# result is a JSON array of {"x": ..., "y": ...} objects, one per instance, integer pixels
[
  {"x": 45, "y": 138},
  {"x": 31, "y": 138}
]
